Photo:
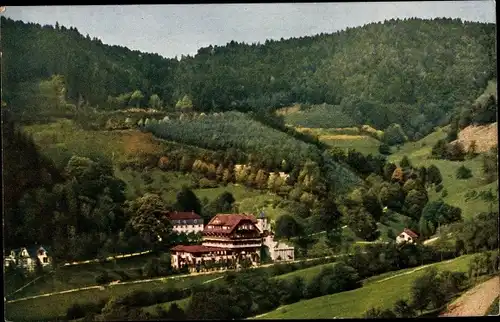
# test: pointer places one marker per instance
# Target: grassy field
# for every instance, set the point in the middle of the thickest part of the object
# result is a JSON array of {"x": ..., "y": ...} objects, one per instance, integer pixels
[
  {"x": 64, "y": 138},
  {"x": 418, "y": 153},
  {"x": 164, "y": 183},
  {"x": 364, "y": 144},
  {"x": 377, "y": 292},
  {"x": 393, "y": 221},
  {"x": 67, "y": 278},
  {"x": 269, "y": 203},
  {"x": 317, "y": 116},
  {"x": 239, "y": 192},
  {"x": 50, "y": 308},
  {"x": 307, "y": 273},
  {"x": 345, "y": 138}
]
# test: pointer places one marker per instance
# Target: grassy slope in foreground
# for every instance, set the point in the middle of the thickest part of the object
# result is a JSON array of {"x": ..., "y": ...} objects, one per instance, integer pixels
[
  {"x": 55, "y": 306},
  {"x": 166, "y": 306},
  {"x": 307, "y": 273},
  {"x": 418, "y": 153},
  {"x": 375, "y": 293}
]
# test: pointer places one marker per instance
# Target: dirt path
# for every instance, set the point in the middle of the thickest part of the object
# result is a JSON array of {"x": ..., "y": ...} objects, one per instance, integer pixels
[
  {"x": 99, "y": 287},
  {"x": 476, "y": 301},
  {"x": 413, "y": 270}
]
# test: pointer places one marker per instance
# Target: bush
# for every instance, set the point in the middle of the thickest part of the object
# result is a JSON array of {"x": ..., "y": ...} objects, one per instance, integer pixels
[
  {"x": 452, "y": 282},
  {"x": 403, "y": 309},
  {"x": 439, "y": 187},
  {"x": 471, "y": 194},
  {"x": 374, "y": 313},
  {"x": 206, "y": 183},
  {"x": 123, "y": 275},
  {"x": 463, "y": 173},
  {"x": 384, "y": 149},
  {"x": 330, "y": 280},
  {"x": 148, "y": 179},
  {"x": 80, "y": 310},
  {"x": 427, "y": 291},
  {"x": 103, "y": 278}
]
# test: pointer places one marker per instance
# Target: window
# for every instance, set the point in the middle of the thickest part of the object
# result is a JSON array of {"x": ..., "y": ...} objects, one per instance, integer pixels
[{"x": 45, "y": 260}]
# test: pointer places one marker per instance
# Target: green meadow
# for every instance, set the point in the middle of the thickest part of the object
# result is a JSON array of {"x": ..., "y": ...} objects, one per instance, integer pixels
[
  {"x": 381, "y": 291},
  {"x": 456, "y": 189},
  {"x": 55, "y": 306}
]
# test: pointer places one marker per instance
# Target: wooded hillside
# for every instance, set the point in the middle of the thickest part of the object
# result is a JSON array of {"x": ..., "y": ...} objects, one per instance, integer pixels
[{"x": 412, "y": 72}]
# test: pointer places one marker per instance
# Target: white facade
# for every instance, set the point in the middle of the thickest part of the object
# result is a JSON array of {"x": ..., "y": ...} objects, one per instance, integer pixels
[
  {"x": 187, "y": 228},
  {"x": 192, "y": 258},
  {"x": 404, "y": 237},
  {"x": 256, "y": 242},
  {"x": 263, "y": 225},
  {"x": 279, "y": 251}
]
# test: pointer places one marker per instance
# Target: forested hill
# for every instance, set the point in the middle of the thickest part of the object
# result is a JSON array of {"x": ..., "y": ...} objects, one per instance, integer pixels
[{"x": 413, "y": 72}]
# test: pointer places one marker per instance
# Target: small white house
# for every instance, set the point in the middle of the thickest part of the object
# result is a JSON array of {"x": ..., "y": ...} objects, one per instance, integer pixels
[
  {"x": 27, "y": 258},
  {"x": 406, "y": 236}
]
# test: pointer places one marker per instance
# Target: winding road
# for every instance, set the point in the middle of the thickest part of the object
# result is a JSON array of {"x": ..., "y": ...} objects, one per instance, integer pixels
[{"x": 476, "y": 301}]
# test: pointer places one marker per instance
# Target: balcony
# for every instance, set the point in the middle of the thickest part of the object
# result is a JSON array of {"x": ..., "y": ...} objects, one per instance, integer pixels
[
  {"x": 233, "y": 238},
  {"x": 230, "y": 245}
]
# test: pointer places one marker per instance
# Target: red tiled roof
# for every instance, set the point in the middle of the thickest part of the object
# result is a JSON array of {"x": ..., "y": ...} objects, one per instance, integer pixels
[
  {"x": 182, "y": 215},
  {"x": 196, "y": 249},
  {"x": 231, "y": 220},
  {"x": 410, "y": 233}
]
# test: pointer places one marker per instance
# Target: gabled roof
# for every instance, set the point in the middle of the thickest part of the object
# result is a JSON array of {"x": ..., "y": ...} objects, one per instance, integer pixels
[
  {"x": 410, "y": 233},
  {"x": 196, "y": 249},
  {"x": 174, "y": 215},
  {"x": 231, "y": 220},
  {"x": 32, "y": 250}
]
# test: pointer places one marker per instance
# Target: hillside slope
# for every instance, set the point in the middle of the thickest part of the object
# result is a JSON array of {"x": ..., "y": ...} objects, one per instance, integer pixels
[
  {"x": 412, "y": 72},
  {"x": 484, "y": 137},
  {"x": 458, "y": 191}
]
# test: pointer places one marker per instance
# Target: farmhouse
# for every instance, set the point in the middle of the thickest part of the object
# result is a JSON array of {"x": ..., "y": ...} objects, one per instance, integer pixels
[
  {"x": 407, "y": 236},
  {"x": 27, "y": 258},
  {"x": 231, "y": 238},
  {"x": 185, "y": 222}
]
